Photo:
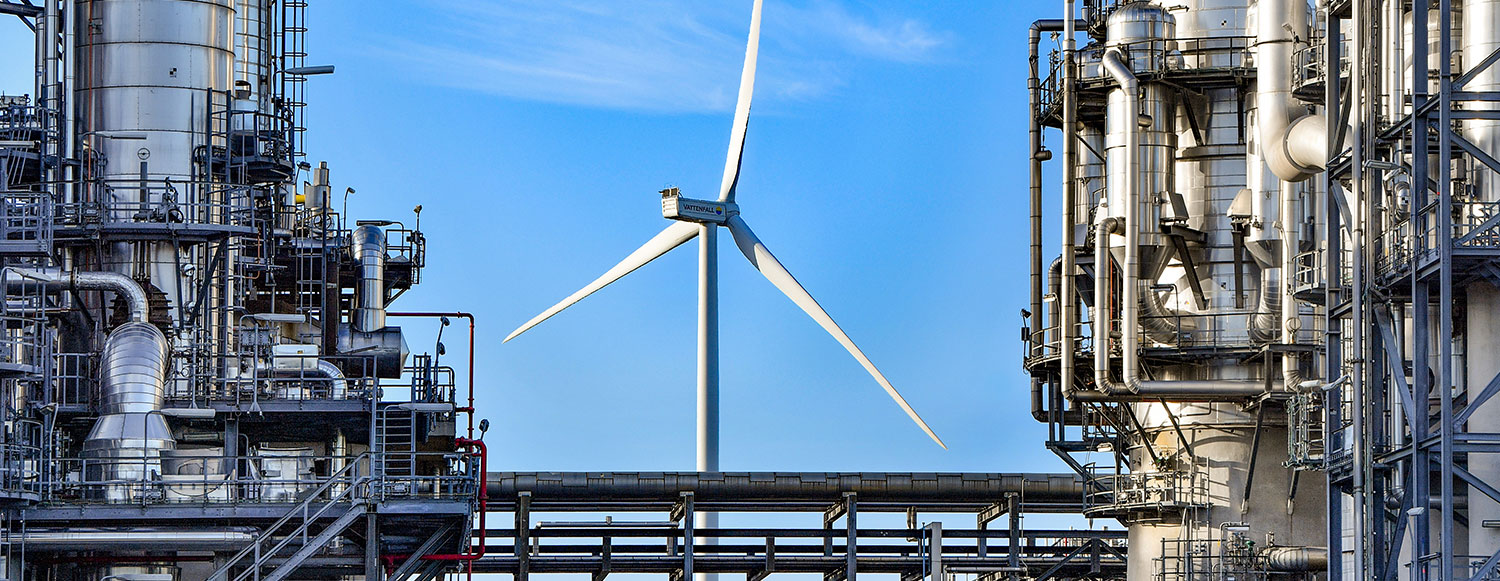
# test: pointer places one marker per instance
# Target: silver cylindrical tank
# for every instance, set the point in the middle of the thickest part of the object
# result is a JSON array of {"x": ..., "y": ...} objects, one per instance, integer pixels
[
  {"x": 152, "y": 73},
  {"x": 1482, "y": 334},
  {"x": 1142, "y": 31},
  {"x": 252, "y": 54},
  {"x": 150, "y": 66},
  {"x": 1481, "y": 36}
]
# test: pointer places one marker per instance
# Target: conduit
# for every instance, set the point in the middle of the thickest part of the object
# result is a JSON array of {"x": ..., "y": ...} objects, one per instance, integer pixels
[
  {"x": 1297, "y": 559},
  {"x": 783, "y": 486},
  {"x": 123, "y": 286},
  {"x": 1294, "y": 143},
  {"x": 1114, "y": 64},
  {"x": 368, "y": 246}
]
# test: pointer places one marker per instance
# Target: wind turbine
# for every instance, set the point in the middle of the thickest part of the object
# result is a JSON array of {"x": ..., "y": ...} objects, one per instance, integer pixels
[{"x": 703, "y": 218}]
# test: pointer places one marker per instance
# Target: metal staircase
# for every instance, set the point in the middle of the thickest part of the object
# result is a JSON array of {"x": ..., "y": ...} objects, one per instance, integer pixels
[{"x": 346, "y": 491}]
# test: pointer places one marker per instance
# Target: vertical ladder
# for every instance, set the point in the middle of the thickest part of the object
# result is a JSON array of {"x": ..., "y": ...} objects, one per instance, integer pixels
[
  {"x": 291, "y": 37},
  {"x": 398, "y": 441}
]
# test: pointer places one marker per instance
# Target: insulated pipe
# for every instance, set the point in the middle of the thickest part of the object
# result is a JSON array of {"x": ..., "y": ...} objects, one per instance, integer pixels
[
  {"x": 1294, "y": 143},
  {"x": 1114, "y": 64},
  {"x": 1033, "y": 85},
  {"x": 1066, "y": 26},
  {"x": 338, "y": 387},
  {"x": 1102, "y": 272},
  {"x": 1266, "y": 321},
  {"x": 1068, "y": 315},
  {"x": 134, "y": 364},
  {"x": 782, "y": 486},
  {"x": 1184, "y": 391},
  {"x": 138, "y": 538},
  {"x": 368, "y": 246},
  {"x": 1297, "y": 559},
  {"x": 1291, "y": 370},
  {"x": 1159, "y": 323},
  {"x": 125, "y": 443},
  {"x": 123, "y": 286}
]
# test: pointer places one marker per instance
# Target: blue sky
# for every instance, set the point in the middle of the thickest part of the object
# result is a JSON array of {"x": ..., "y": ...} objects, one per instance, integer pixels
[{"x": 885, "y": 167}]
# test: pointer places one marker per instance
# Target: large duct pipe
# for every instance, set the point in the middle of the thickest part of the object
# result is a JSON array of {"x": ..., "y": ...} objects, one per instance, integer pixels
[
  {"x": 1159, "y": 324},
  {"x": 783, "y": 486},
  {"x": 368, "y": 246},
  {"x": 339, "y": 386},
  {"x": 1297, "y": 559},
  {"x": 1291, "y": 319},
  {"x": 1265, "y": 322},
  {"x": 123, "y": 286},
  {"x": 125, "y": 444},
  {"x": 1294, "y": 143}
]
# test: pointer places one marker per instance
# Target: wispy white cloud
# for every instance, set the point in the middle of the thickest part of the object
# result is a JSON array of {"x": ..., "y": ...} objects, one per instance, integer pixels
[
  {"x": 655, "y": 55},
  {"x": 881, "y": 36}
]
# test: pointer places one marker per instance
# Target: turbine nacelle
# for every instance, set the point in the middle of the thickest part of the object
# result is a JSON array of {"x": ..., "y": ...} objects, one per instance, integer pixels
[{"x": 676, "y": 207}]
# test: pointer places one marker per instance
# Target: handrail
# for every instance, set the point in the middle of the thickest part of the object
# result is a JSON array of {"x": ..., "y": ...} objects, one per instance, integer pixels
[{"x": 302, "y": 507}]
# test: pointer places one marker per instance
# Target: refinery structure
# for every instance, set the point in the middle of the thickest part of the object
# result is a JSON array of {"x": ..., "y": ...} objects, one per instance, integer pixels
[
  {"x": 1265, "y": 348},
  {"x": 1274, "y": 309}
]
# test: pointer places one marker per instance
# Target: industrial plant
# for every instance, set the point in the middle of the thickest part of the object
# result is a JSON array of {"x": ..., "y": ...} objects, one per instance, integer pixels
[
  {"x": 1274, "y": 305},
  {"x": 1263, "y": 347}
]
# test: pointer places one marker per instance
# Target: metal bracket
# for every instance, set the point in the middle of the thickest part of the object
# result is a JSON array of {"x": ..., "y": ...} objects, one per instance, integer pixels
[
  {"x": 770, "y": 566},
  {"x": 606, "y": 551},
  {"x": 992, "y": 512},
  {"x": 681, "y": 507}
]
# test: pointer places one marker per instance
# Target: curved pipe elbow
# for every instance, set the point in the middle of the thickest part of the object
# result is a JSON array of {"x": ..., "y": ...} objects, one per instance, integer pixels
[
  {"x": 1293, "y": 143},
  {"x": 1114, "y": 64},
  {"x": 123, "y": 286},
  {"x": 339, "y": 387},
  {"x": 1297, "y": 151}
]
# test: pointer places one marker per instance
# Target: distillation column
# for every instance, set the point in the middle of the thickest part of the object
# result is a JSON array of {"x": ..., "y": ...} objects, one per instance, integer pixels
[
  {"x": 150, "y": 68},
  {"x": 1197, "y": 335}
]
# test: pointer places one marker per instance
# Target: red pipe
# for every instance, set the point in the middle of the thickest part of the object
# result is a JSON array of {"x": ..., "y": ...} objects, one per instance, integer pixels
[
  {"x": 484, "y": 506},
  {"x": 469, "y": 442},
  {"x": 470, "y": 316}
]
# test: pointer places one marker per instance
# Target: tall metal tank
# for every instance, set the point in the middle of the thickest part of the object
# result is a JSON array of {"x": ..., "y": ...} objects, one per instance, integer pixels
[
  {"x": 150, "y": 73},
  {"x": 1480, "y": 38},
  {"x": 1194, "y": 175},
  {"x": 144, "y": 98}
]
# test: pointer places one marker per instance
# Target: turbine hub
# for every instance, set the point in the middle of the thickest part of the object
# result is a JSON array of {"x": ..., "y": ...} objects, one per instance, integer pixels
[{"x": 676, "y": 207}]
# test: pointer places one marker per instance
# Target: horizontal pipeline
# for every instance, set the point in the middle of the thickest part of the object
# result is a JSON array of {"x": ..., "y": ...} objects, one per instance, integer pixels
[{"x": 785, "y": 486}]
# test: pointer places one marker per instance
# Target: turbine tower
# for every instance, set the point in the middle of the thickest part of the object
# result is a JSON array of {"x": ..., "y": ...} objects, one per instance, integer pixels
[{"x": 702, "y": 219}]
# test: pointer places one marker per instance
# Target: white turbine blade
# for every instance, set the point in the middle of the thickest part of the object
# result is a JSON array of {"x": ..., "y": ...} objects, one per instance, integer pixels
[
  {"x": 742, "y": 111},
  {"x": 672, "y": 237},
  {"x": 767, "y": 264}
]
